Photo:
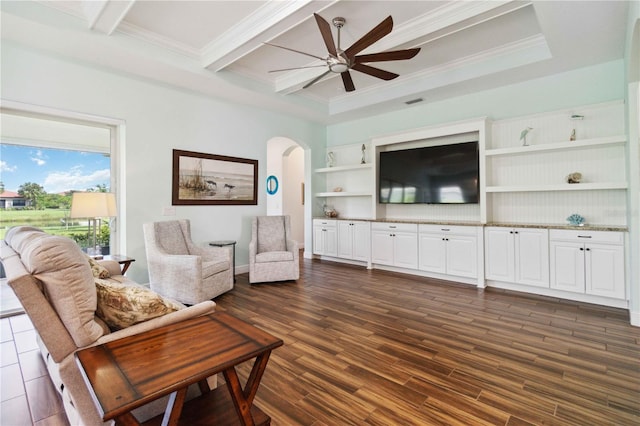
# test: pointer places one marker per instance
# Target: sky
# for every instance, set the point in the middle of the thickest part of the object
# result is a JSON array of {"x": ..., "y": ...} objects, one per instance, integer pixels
[{"x": 54, "y": 169}]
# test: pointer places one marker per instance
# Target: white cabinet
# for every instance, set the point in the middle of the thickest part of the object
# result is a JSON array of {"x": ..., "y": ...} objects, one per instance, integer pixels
[
  {"x": 517, "y": 255},
  {"x": 395, "y": 244},
  {"x": 590, "y": 262},
  {"x": 451, "y": 250},
  {"x": 325, "y": 237},
  {"x": 354, "y": 240}
]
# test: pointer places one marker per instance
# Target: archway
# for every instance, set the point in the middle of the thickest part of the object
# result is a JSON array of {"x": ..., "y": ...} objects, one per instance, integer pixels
[{"x": 285, "y": 183}]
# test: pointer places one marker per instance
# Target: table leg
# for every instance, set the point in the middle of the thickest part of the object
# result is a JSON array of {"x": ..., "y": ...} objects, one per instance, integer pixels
[
  {"x": 174, "y": 407},
  {"x": 243, "y": 399}
]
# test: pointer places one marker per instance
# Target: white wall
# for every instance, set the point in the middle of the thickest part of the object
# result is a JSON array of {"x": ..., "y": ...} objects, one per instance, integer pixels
[
  {"x": 159, "y": 119},
  {"x": 292, "y": 180}
]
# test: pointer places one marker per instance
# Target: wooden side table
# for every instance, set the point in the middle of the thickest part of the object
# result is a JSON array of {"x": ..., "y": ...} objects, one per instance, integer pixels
[
  {"x": 165, "y": 361},
  {"x": 121, "y": 259},
  {"x": 224, "y": 243}
]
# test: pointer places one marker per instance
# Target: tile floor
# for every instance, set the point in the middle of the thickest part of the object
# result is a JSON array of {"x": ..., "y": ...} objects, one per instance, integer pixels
[{"x": 26, "y": 393}]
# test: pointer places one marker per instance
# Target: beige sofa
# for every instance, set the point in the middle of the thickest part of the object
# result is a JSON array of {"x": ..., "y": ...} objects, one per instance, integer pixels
[{"x": 57, "y": 286}]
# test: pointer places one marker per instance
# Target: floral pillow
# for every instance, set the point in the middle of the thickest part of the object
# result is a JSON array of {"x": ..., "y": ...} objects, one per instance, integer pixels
[
  {"x": 123, "y": 305},
  {"x": 97, "y": 269}
]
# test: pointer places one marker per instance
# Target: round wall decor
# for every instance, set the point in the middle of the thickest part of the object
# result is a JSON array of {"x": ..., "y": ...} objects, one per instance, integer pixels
[{"x": 272, "y": 185}]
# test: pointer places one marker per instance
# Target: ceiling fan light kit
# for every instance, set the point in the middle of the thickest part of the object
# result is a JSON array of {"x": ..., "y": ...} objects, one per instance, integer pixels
[{"x": 341, "y": 61}]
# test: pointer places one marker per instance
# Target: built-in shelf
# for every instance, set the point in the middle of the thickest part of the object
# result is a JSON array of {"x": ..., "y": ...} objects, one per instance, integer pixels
[
  {"x": 559, "y": 187},
  {"x": 343, "y": 168},
  {"x": 344, "y": 194},
  {"x": 556, "y": 146}
]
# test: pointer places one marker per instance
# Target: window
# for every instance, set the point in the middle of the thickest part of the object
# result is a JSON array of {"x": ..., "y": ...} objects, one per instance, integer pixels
[{"x": 48, "y": 157}]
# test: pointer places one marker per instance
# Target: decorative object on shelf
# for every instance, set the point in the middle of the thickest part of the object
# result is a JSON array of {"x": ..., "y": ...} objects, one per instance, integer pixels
[
  {"x": 331, "y": 159},
  {"x": 363, "y": 160},
  {"x": 330, "y": 211},
  {"x": 337, "y": 189},
  {"x": 574, "y": 177},
  {"x": 575, "y": 117},
  {"x": 576, "y": 220},
  {"x": 523, "y": 135}
]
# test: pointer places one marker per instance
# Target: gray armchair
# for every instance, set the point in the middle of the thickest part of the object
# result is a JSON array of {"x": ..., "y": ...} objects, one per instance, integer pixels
[
  {"x": 181, "y": 270},
  {"x": 273, "y": 255}
]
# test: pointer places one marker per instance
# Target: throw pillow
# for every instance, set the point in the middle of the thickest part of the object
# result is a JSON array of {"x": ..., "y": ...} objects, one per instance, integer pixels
[
  {"x": 123, "y": 305},
  {"x": 97, "y": 269}
]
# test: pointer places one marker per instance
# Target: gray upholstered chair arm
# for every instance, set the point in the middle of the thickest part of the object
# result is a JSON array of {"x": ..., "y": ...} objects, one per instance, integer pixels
[
  {"x": 253, "y": 249},
  {"x": 212, "y": 253},
  {"x": 292, "y": 246}
]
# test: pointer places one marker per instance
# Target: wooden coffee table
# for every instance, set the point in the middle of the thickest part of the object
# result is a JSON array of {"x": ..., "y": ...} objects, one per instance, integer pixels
[{"x": 127, "y": 373}]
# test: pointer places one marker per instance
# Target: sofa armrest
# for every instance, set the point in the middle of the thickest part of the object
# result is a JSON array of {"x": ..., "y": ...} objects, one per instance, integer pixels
[{"x": 197, "y": 310}]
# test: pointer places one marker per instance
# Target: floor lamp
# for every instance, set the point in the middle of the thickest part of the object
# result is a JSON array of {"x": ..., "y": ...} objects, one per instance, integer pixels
[{"x": 94, "y": 206}]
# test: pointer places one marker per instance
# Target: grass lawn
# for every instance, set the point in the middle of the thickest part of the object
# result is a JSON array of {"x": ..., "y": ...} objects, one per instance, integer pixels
[{"x": 52, "y": 221}]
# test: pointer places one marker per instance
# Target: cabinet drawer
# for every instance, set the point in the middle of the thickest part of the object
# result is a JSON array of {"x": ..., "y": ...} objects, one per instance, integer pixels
[
  {"x": 447, "y": 229},
  {"x": 397, "y": 227},
  {"x": 609, "y": 237},
  {"x": 324, "y": 222}
]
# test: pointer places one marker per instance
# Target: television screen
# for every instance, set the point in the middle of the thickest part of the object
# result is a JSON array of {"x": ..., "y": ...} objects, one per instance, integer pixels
[{"x": 443, "y": 174}]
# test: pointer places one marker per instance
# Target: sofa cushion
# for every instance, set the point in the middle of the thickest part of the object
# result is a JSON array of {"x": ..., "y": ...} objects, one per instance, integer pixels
[
  {"x": 63, "y": 269},
  {"x": 169, "y": 236},
  {"x": 271, "y": 235},
  {"x": 121, "y": 305},
  {"x": 97, "y": 269},
  {"x": 274, "y": 256}
]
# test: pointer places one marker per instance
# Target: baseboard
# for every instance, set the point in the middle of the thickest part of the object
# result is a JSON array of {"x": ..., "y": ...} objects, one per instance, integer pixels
[{"x": 634, "y": 318}]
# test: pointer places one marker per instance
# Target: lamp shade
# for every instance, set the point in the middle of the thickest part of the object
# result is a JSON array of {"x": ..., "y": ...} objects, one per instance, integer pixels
[{"x": 93, "y": 204}]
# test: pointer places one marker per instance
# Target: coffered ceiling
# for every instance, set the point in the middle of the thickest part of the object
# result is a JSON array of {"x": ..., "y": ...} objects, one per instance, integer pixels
[{"x": 218, "y": 47}]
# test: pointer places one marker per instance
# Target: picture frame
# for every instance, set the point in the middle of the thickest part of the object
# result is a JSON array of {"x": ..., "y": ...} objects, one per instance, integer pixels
[{"x": 210, "y": 179}]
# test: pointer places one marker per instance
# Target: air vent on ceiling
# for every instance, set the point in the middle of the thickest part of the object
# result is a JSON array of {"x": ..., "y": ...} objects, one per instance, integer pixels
[{"x": 414, "y": 101}]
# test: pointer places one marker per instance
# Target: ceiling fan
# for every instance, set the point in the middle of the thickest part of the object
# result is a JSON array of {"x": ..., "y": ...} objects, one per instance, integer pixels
[{"x": 341, "y": 61}]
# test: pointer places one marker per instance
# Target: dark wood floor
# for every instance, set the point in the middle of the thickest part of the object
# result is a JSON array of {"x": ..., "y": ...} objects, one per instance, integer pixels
[{"x": 373, "y": 347}]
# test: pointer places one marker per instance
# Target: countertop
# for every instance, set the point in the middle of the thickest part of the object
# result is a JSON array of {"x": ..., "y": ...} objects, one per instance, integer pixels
[{"x": 611, "y": 228}]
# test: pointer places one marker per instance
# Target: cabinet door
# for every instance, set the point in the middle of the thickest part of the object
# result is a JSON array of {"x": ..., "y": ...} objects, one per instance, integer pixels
[
  {"x": 405, "y": 253},
  {"x": 345, "y": 239},
  {"x": 604, "y": 274},
  {"x": 532, "y": 257},
  {"x": 318, "y": 240},
  {"x": 331, "y": 241},
  {"x": 499, "y": 254},
  {"x": 567, "y": 266},
  {"x": 432, "y": 253},
  {"x": 382, "y": 247},
  {"x": 462, "y": 255},
  {"x": 361, "y": 241}
]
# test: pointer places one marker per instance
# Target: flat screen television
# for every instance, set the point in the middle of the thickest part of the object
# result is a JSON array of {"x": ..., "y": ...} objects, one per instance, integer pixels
[{"x": 442, "y": 174}]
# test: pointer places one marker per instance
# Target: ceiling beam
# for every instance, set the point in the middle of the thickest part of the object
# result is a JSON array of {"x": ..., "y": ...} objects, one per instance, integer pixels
[
  {"x": 266, "y": 23},
  {"x": 105, "y": 15}
]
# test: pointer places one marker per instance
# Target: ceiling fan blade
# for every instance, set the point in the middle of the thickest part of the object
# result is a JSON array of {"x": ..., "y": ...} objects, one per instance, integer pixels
[
  {"x": 376, "y": 72},
  {"x": 294, "y": 50},
  {"x": 381, "y": 30},
  {"x": 298, "y": 68},
  {"x": 347, "y": 81},
  {"x": 315, "y": 80},
  {"x": 325, "y": 31},
  {"x": 394, "y": 55}
]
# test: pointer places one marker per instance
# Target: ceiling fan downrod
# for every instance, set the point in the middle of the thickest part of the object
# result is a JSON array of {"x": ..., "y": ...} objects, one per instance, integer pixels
[{"x": 340, "y": 63}]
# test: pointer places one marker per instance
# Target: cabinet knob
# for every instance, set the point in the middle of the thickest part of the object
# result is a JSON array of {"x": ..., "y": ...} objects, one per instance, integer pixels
[
  {"x": 511, "y": 232},
  {"x": 515, "y": 232},
  {"x": 581, "y": 249},
  {"x": 588, "y": 249}
]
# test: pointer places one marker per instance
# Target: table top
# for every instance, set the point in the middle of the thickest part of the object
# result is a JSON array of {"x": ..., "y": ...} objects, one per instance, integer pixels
[
  {"x": 222, "y": 243},
  {"x": 130, "y": 372},
  {"x": 118, "y": 258}
]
